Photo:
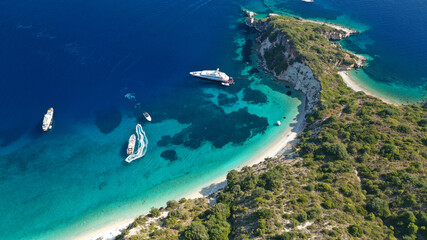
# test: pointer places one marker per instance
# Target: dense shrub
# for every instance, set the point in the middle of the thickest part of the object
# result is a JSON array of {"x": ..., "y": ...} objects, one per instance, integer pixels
[
  {"x": 337, "y": 151},
  {"x": 422, "y": 219},
  {"x": 249, "y": 182},
  {"x": 422, "y": 122},
  {"x": 389, "y": 151},
  {"x": 177, "y": 214},
  {"x": 285, "y": 236},
  {"x": 355, "y": 230},
  {"x": 218, "y": 229},
  {"x": 273, "y": 179},
  {"x": 324, "y": 187},
  {"x": 328, "y": 204},
  {"x": 232, "y": 177},
  {"x": 220, "y": 211},
  {"x": 309, "y": 187},
  {"x": 410, "y": 200},
  {"x": 154, "y": 212},
  {"x": 314, "y": 213},
  {"x": 403, "y": 128},
  {"x": 172, "y": 204},
  {"x": 388, "y": 112},
  {"x": 264, "y": 213},
  {"x": 379, "y": 207},
  {"x": 351, "y": 108},
  {"x": 308, "y": 148},
  {"x": 302, "y": 217},
  {"x": 196, "y": 231}
]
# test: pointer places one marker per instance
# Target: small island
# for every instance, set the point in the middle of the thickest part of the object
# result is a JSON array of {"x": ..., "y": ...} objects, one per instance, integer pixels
[{"x": 358, "y": 170}]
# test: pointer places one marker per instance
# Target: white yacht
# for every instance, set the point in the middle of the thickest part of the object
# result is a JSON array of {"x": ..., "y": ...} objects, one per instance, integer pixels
[
  {"x": 131, "y": 144},
  {"x": 47, "y": 120},
  {"x": 214, "y": 75}
]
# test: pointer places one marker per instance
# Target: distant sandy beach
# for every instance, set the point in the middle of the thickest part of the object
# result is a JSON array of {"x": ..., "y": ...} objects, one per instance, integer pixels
[
  {"x": 353, "y": 84},
  {"x": 281, "y": 146}
]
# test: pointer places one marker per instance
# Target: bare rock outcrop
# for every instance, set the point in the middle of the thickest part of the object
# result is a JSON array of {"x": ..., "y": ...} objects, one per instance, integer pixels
[{"x": 298, "y": 73}]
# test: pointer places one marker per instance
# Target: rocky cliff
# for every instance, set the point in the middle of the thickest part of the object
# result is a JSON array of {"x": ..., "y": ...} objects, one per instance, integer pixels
[
  {"x": 281, "y": 58},
  {"x": 297, "y": 72}
]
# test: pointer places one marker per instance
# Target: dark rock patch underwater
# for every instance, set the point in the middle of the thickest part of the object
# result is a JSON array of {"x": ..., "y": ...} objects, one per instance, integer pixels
[
  {"x": 208, "y": 119},
  {"x": 107, "y": 120},
  {"x": 223, "y": 99},
  {"x": 254, "y": 96},
  {"x": 169, "y": 155}
]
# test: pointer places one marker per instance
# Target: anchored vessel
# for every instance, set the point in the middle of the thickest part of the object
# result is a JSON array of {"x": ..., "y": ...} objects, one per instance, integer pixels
[
  {"x": 47, "y": 120},
  {"x": 147, "y": 116},
  {"x": 131, "y": 144},
  {"x": 214, "y": 75},
  {"x": 141, "y": 140}
]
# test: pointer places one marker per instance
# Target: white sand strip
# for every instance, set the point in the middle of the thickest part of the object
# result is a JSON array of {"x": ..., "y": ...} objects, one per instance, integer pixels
[{"x": 353, "y": 84}]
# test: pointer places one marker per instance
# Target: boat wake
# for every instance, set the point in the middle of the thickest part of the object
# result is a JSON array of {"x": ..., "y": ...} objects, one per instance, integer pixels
[{"x": 142, "y": 145}]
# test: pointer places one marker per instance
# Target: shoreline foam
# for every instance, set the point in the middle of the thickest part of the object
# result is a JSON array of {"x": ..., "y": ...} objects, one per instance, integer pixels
[
  {"x": 283, "y": 144},
  {"x": 356, "y": 86}
]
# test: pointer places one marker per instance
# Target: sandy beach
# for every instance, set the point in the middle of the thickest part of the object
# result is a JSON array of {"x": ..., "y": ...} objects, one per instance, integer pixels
[
  {"x": 348, "y": 31},
  {"x": 353, "y": 84},
  {"x": 281, "y": 146}
]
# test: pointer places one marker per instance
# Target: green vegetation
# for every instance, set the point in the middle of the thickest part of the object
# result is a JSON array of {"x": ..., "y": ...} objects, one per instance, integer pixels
[
  {"x": 358, "y": 171},
  {"x": 355, "y": 230},
  {"x": 196, "y": 231}
]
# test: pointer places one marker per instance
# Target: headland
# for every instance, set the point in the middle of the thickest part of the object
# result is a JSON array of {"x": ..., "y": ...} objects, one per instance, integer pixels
[{"x": 331, "y": 176}]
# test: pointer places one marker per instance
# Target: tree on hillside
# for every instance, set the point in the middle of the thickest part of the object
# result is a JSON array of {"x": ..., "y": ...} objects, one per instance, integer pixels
[
  {"x": 379, "y": 207},
  {"x": 196, "y": 231}
]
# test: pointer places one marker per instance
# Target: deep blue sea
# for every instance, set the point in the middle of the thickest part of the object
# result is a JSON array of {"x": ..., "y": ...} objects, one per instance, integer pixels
[{"x": 83, "y": 57}]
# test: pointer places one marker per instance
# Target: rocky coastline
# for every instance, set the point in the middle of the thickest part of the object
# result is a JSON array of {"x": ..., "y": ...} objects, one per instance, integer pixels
[{"x": 298, "y": 73}]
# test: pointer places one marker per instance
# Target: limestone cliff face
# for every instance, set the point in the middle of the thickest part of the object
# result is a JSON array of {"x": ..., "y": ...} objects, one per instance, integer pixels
[{"x": 297, "y": 73}]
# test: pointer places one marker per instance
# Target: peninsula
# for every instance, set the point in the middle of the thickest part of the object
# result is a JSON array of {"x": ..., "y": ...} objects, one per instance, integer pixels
[{"x": 358, "y": 170}]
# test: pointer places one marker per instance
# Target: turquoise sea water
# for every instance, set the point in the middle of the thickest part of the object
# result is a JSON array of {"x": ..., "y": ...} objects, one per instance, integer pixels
[
  {"x": 84, "y": 57},
  {"x": 101, "y": 64}
]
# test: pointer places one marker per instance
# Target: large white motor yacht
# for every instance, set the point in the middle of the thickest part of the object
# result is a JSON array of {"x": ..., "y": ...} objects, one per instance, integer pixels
[{"x": 214, "y": 75}]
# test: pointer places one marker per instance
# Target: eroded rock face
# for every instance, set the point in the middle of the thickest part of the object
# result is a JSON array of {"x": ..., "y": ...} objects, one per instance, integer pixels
[
  {"x": 301, "y": 76},
  {"x": 297, "y": 73},
  {"x": 336, "y": 36}
]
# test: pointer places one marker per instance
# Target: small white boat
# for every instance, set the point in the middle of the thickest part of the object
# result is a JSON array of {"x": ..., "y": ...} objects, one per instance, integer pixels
[
  {"x": 279, "y": 123},
  {"x": 131, "y": 144},
  {"x": 48, "y": 120},
  {"x": 225, "y": 84},
  {"x": 147, "y": 116}
]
